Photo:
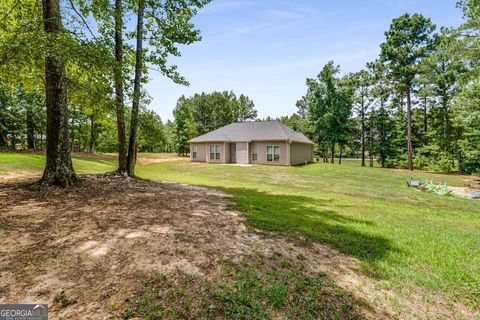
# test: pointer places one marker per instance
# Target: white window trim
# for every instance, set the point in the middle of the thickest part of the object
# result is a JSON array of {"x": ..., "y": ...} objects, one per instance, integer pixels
[
  {"x": 194, "y": 151},
  {"x": 255, "y": 147},
  {"x": 217, "y": 152},
  {"x": 273, "y": 153}
]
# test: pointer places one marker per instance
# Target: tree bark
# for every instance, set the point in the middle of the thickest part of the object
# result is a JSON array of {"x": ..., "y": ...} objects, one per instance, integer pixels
[
  {"x": 460, "y": 162},
  {"x": 119, "y": 102},
  {"x": 425, "y": 120},
  {"x": 333, "y": 152},
  {"x": 446, "y": 124},
  {"x": 30, "y": 130},
  {"x": 59, "y": 168},
  {"x": 370, "y": 153},
  {"x": 340, "y": 154},
  {"x": 409, "y": 130},
  {"x": 362, "y": 111},
  {"x": 91, "y": 147},
  {"x": 132, "y": 145}
]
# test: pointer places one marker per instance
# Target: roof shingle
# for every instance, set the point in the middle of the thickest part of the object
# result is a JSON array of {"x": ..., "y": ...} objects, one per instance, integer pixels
[{"x": 253, "y": 131}]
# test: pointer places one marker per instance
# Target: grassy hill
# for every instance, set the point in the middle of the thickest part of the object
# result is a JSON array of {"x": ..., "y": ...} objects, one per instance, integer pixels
[{"x": 403, "y": 237}]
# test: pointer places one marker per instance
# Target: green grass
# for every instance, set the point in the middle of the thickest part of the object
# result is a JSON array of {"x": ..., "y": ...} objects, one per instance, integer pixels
[
  {"x": 403, "y": 236},
  {"x": 399, "y": 234},
  {"x": 34, "y": 163},
  {"x": 259, "y": 287}
]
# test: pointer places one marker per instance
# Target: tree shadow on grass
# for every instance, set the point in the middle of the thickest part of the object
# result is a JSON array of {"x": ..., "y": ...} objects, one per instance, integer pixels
[{"x": 292, "y": 214}]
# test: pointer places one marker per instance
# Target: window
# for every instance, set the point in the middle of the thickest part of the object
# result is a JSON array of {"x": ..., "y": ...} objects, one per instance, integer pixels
[
  {"x": 194, "y": 151},
  {"x": 273, "y": 153},
  {"x": 276, "y": 153},
  {"x": 254, "y": 152},
  {"x": 215, "y": 152}
]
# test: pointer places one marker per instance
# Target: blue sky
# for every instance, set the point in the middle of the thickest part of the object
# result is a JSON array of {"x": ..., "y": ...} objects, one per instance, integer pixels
[{"x": 267, "y": 48}]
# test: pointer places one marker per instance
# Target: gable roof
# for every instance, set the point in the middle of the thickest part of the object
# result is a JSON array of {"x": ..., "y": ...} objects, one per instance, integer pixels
[{"x": 253, "y": 131}]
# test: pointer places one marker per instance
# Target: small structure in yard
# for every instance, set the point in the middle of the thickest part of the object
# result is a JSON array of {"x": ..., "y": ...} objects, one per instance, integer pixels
[
  {"x": 413, "y": 183},
  {"x": 260, "y": 142}
]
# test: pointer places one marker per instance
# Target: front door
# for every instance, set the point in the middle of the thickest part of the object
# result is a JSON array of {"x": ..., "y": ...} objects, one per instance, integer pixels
[{"x": 233, "y": 155}]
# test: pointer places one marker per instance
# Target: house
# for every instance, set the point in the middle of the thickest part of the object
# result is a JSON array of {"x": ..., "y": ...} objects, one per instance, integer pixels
[{"x": 261, "y": 142}]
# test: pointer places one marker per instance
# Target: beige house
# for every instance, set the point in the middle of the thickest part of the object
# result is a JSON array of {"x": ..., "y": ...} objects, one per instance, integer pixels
[{"x": 261, "y": 142}]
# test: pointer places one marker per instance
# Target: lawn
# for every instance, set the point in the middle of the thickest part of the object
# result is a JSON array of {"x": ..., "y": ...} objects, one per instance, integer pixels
[
  {"x": 33, "y": 164},
  {"x": 407, "y": 239}
]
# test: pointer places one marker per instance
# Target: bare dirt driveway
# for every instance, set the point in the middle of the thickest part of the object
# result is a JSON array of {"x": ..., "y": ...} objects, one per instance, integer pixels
[{"x": 99, "y": 241}]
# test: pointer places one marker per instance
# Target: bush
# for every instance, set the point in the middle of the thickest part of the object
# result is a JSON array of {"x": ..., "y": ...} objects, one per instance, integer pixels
[
  {"x": 420, "y": 162},
  {"x": 442, "y": 165},
  {"x": 471, "y": 162}
]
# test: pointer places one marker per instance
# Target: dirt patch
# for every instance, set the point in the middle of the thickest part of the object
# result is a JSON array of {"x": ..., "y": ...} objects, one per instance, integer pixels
[
  {"x": 463, "y": 192},
  {"x": 159, "y": 160},
  {"x": 17, "y": 175},
  {"x": 97, "y": 242}
]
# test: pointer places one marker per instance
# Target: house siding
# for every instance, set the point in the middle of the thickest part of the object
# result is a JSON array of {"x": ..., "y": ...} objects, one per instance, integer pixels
[
  {"x": 227, "y": 153},
  {"x": 222, "y": 152},
  {"x": 242, "y": 152},
  {"x": 201, "y": 152},
  {"x": 262, "y": 152},
  {"x": 300, "y": 153}
]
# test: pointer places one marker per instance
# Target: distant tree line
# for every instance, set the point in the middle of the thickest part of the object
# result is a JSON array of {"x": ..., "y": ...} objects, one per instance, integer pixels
[
  {"x": 205, "y": 112},
  {"x": 416, "y": 106}
]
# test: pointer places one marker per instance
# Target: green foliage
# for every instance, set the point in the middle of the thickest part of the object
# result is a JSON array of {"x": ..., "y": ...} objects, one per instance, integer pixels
[
  {"x": 62, "y": 300},
  {"x": 442, "y": 164},
  {"x": 184, "y": 129},
  {"x": 407, "y": 43},
  {"x": 204, "y": 112},
  {"x": 329, "y": 108},
  {"x": 151, "y": 133},
  {"x": 4, "y": 225}
]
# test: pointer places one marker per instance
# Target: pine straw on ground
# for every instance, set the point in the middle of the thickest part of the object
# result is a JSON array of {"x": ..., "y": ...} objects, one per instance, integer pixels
[{"x": 89, "y": 250}]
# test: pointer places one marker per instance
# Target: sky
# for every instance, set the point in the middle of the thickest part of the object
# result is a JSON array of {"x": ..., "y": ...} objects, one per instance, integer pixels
[{"x": 267, "y": 48}]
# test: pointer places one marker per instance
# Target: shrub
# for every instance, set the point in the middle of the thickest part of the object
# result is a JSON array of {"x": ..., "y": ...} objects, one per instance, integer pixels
[
  {"x": 442, "y": 165},
  {"x": 471, "y": 162},
  {"x": 420, "y": 162}
]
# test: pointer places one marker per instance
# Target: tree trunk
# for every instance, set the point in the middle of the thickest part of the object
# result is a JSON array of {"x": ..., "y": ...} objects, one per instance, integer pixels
[
  {"x": 59, "y": 168},
  {"x": 132, "y": 145},
  {"x": 425, "y": 120},
  {"x": 91, "y": 147},
  {"x": 371, "y": 152},
  {"x": 333, "y": 152},
  {"x": 340, "y": 154},
  {"x": 79, "y": 131},
  {"x": 362, "y": 111},
  {"x": 30, "y": 130},
  {"x": 119, "y": 103},
  {"x": 409, "y": 130},
  {"x": 446, "y": 125},
  {"x": 460, "y": 162}
]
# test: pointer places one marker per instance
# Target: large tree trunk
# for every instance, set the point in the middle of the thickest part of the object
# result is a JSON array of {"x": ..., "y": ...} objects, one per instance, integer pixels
[
  {"x": 409, "y": 130},
  {"x": 59, "y": 168},
  {"x": 119, "y": 103},
  {"x": 132, "y": 145}
]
